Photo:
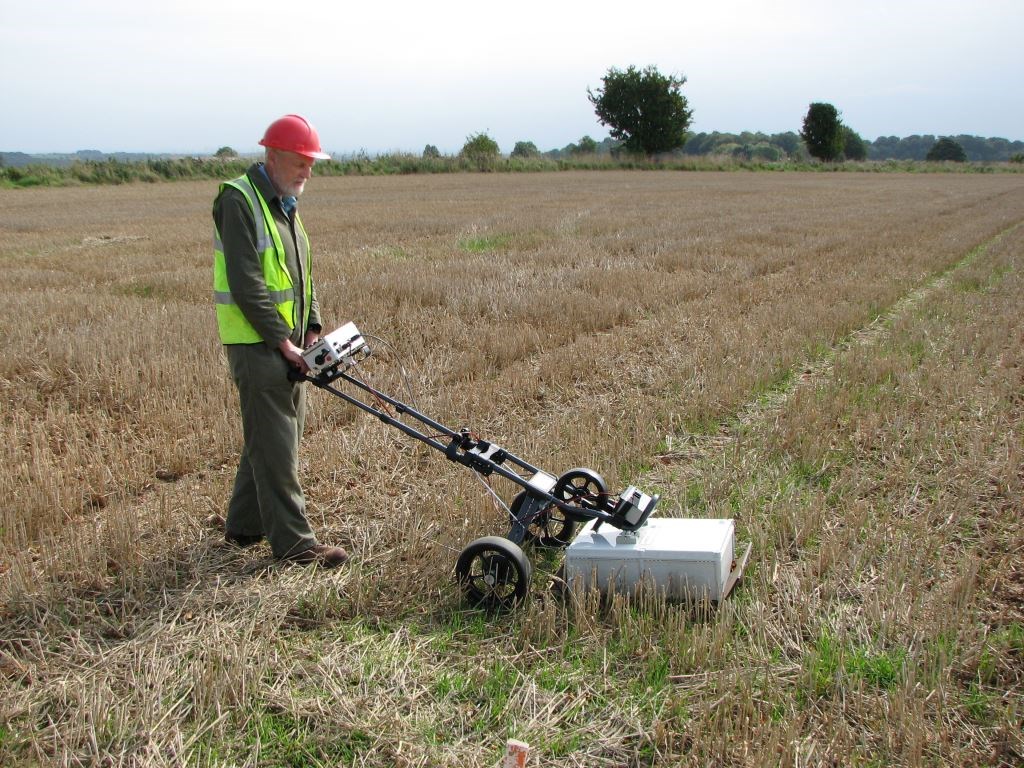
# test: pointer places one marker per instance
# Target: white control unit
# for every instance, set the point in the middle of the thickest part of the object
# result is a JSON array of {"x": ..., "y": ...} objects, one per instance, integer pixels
[
  {"x": 337, "y": 351},
  {"x": 680, "y": 558}
]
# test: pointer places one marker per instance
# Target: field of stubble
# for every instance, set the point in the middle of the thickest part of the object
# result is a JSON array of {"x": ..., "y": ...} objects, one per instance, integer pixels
[{"x": 835, "y": 361}]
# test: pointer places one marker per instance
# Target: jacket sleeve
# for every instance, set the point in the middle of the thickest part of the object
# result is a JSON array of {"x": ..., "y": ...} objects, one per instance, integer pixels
[
  {"x": 244, "y": 271},
  {"x": 314, "y": 311}
]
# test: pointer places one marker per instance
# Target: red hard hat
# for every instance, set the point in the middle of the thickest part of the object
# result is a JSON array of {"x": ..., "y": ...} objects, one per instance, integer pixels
[{"x": 293, "y": 133}]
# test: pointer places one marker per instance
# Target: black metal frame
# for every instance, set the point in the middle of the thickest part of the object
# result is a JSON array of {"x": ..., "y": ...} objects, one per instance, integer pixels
[{"x": 485, "y": 458}]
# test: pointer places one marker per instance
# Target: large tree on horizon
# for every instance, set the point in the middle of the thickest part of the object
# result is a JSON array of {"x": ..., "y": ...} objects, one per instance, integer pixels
[
  {"x": 822, "y": 132},
  {"x": 947, "y": 148},
  {"x": 644, "y": 109}
]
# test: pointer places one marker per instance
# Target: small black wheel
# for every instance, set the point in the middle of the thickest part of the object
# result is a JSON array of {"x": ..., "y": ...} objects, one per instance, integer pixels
[
  {"x": 493, "y": 573},
  {"x": 549, "y": 527},
  {"x": 583, "y": 488}
]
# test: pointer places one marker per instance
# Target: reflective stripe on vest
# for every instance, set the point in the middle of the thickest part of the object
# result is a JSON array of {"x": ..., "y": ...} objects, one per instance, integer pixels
[{"x": 232, "y": 325}]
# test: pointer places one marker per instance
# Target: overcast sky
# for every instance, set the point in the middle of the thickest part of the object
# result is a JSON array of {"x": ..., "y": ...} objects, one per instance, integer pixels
[{"x": 193, "y": 75}]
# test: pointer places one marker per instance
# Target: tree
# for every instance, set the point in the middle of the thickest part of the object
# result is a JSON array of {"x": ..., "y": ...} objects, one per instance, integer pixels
[
  {"x": 822, "y": 132},
  {"x": 763, "y": 151},
  {"x": 853, "y": 145},
  {"x": 481, "y": 150},
  {"x": 525, "y": 149},
  {"x": 946, "y": 149},
  {"x": 586, "y": 146},
  {"x": 643, "y": 108},
  {"x": 225, "y": 153},
  {"x": 431, "y": 152},
  {"x": 788, "y": 142}
]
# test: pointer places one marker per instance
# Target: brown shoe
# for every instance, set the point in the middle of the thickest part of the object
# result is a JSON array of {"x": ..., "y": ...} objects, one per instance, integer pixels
[{"x": 320, "y": 554}]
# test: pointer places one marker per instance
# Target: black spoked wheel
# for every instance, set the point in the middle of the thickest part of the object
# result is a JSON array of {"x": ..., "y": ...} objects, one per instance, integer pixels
[
  {"x": 493, "y": 573},
  {"x": 549, "y": 527},
  {"x": 583, "y": 488}
]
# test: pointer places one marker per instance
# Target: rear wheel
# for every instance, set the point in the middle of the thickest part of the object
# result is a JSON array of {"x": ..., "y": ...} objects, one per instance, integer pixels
[
  {"x": 584, "y": 489},
  {"x": 493, "y": 573}
]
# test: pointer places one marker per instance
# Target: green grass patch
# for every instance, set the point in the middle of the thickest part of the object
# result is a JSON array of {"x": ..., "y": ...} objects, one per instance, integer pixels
[
  {"x": 694, "y": 499},
  {"x": 766, "y": 389},
  {"x": 879, "y": 670},
  {"x": 980, "y": 703},
  {"x": 556, "y": 678},
  {"x": 652, "y": 678},
  {"x": 1005, "y": 642},
  {"x": 294, "y": 742},
  {"x": 869, "y": 395},
  {"x": 579, "y": 658},
  {"x": 831, "y": 664},
  {"x": 452, "y": 684},
  {"x": 485, "y": 243},
  {"x": 564, "y": 744},
  {"x": 969, "y": 283},
  {"x": 632, "y": 469},
  {"x": 492, "y": 695},
  {"x": 392, "y": 253},
  {"x": 462, "y": 629},
  {"x": 283, "y": 740},
  {"x": 803, "y": 474},
  {"x": 702, "y": 425},
  {"x": 824, "y": 664},
  {"x": 972, "y": 282}
]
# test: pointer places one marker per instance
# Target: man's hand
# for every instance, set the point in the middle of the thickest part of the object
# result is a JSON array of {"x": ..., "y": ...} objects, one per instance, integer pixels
[
  {"x": 312, "y": 337},
  {"x": 293, "y": 355}
]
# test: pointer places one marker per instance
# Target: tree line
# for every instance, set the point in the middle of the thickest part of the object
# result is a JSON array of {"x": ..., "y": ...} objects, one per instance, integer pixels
[
  {"x": 778, "y": 147},
  {"x": 646, "y": 112},
  {"x": 976, "y": 148},
  {"x": 824, "y": 137}
]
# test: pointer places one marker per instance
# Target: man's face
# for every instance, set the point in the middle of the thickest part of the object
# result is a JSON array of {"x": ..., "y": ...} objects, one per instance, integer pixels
[{"x": 288, "y": 171}]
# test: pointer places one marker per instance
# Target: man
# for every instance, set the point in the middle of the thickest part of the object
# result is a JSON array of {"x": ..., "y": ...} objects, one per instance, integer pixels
[{"x": 266, "y": 313}]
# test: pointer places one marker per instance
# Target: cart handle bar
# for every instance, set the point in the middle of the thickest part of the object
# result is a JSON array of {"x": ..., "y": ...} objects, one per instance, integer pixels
[{"x": 481, "y": 456}]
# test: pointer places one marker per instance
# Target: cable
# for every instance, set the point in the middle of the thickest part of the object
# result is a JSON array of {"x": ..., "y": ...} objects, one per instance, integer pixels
[{"x": 498, "y": 503}]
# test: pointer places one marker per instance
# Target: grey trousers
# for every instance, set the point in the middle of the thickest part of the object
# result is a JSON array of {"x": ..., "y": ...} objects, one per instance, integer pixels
[{"x": 267, "y": 498}]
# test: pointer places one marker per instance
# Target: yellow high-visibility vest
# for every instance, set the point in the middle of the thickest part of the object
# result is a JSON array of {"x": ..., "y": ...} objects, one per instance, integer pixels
[{"x": 231, "y": 323}]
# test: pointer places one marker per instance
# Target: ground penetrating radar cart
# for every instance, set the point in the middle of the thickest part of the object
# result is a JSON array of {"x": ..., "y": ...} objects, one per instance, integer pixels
[{"x": 493, "y": 571}]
